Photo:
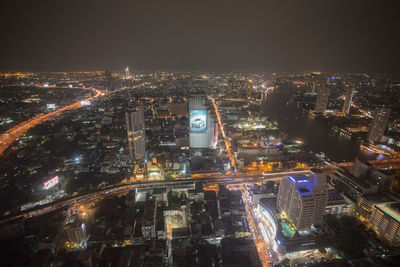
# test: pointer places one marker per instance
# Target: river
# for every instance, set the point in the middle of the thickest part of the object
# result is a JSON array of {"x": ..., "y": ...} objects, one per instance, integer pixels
[{"x": 316, "y": 135}]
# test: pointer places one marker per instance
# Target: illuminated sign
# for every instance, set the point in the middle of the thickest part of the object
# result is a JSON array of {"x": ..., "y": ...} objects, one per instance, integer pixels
[
  {"x": 198, "y": 120},
  {"x": 51, "y": 106},
  {"x": 50, "y": 183},
  {"x": 302, "y": 181},
  {"x": 86, "y": 103}
]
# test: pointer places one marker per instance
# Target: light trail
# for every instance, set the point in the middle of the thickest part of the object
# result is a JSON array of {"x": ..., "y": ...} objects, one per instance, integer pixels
[
  {"x": 261, "y": 245},
  {"x": 375, "y": 149},
  {"x": 226, "y": 141},
  {"x": 8, "y": 137}
]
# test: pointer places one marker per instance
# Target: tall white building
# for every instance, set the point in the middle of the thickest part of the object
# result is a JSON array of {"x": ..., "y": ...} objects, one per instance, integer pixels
[
  {"x": 136, "y": 134},
  {"x": 303, "y": 199},
  {"x": 127, "y": 73},
  {"x": 379, "y": 123},
  {"x": 201, "y": 123}
]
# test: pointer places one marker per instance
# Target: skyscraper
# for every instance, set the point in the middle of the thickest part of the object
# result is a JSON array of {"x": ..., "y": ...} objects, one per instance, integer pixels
[
  {"x": 136, "y": 134},
  {"x": 347, "y": 100},
  {"x": 361, "y": 168},
  {"x": 201, "y": 123},
  {"x": 379, "y": 123},
  {"x": 303, "y": 199},
  {"x": 322, "y": 98},
  {"x": 127, "y": 73}
]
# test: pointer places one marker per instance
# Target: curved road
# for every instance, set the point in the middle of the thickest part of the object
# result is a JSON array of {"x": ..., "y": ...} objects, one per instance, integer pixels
[{"x": 8, "y": 137}]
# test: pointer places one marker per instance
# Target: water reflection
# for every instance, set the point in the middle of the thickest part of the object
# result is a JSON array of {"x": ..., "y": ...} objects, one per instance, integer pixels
[{"x": 317, "y": 136}]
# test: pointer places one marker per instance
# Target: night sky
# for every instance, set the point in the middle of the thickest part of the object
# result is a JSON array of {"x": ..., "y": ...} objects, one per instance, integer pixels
[{"x": 219, "y": 35}]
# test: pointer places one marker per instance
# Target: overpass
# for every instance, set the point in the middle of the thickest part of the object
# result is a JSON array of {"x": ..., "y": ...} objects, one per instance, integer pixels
[{"x": 119, "y": 189}]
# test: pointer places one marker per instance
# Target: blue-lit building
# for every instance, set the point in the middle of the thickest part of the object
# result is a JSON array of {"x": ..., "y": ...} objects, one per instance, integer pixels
[
  {"x": 292, "y": 221},
  {"x": 302, "y": 199},
  {"x": 284, "y": 237}
]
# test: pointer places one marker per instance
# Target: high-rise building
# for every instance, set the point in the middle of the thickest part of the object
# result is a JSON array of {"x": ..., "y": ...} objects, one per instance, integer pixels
[
  {"x": 303, "y": 199},
  {"x": 379, "y": 123},
  {"x": 322, "y": 98},
  {"x": 347, "y": 100},
  {"x": 201, "y": 123},
  {"x": 136, "y": 134},
  {"x": 361, "y": 168},
  {"x": 127, "y": 73}
]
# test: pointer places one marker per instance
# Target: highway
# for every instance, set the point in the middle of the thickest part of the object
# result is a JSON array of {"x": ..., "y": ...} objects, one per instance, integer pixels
[
  {"x": 261, "y": 244},
  {"x": 217, "y": 179},
  {"x": 8, "y": 137},
  {"x": 226, "y": 140}
]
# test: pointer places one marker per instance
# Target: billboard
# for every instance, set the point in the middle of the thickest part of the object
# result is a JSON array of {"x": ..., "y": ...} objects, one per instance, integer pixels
[
  {"x": 198, "y": 120},
  {"x": 86, "y": 103},
  {"x": 50, "y": 183}
]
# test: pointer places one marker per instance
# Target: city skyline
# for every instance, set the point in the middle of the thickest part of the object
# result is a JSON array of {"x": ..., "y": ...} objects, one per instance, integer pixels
[
  {"x": 158, "y": 166},
  {"x": 254, "y": 133}
]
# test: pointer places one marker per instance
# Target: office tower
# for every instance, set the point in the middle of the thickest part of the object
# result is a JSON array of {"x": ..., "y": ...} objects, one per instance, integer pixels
[
  {"x": 303, "y": 199},
  {"x": 322, "y": 98},
  {"x": 201, "y": 123},
  {"x": 347, "y": 100},
  {"x": 381, "y": 179},
  {"x": 136, "y": 134},
  {"x": 379, "y": 123},
  {"x": 127, "y": 73},
  {"x": 361, "y": 168},
  {"x": 108, "y": 79}
]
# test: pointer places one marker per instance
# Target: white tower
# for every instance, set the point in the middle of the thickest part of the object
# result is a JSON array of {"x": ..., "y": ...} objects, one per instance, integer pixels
[{"x": 127, "y": 73}]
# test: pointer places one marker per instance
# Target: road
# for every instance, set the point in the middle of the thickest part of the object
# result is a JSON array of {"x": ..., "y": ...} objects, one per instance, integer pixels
[
  {"x": 12, "y": 134},
  {"x": 261, "y": 244},
  {"x": 119, "y": 189},
  {"x": 8, "y": 137},
  {"x": 226, "y": 140},
  {"x": 218, "y": 179}
]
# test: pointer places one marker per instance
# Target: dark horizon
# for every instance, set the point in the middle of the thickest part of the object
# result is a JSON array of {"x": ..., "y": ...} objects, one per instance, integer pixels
[{"x": 263, "y": 36}]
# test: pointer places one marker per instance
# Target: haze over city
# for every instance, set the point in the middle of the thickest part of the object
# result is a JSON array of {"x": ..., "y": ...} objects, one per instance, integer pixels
[{"x": 257, "y": 35}]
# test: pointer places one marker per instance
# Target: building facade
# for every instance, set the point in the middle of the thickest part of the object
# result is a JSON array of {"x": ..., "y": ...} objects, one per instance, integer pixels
[
  {"x": 201, "y": 123},
  {"x": 303, "y": 199},
  {"x": 385, "y": 221},
  {"x": 379, "y": 123},
  {"x": 135, "y": 127},
  {"x": 322, "y": 98}
]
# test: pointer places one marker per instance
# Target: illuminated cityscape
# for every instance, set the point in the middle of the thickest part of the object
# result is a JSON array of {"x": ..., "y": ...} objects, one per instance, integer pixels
[{"x": 181, "y": 134}]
